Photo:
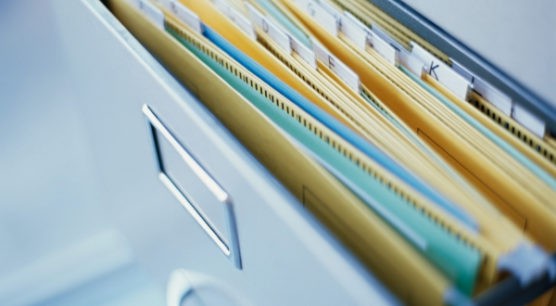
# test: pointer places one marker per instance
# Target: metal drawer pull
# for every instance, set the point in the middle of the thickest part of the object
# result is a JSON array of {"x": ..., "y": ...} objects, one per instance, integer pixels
[
  {"x": 229, "y": 248},
  {"x": 186, "y": 287}
]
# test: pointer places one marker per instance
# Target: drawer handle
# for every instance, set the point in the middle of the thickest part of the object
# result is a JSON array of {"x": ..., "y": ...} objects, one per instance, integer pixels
[
  {"x": 229, "y": 249},
  {"x": 179, "y": 288},
  {"x": 184, "y": 285}
]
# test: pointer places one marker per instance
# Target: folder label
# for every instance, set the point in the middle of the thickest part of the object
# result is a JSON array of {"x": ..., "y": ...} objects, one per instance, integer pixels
[
  {"x": 151, "y": 11},
  {"x": 487, "y": 91},
  {"x": 267, "y": 26},
  {"x": 411, "y": 62},
  {"x": 236, "y": 17},
  {"x": 386, "y": 46},
  {"x": 342, "y": 70},
  {"x": 326, "y": 19},
  {"x": 306, "y": 54},
  {"x": 362, "y": 37},
  {"x": 528, "y": 120},
  {"x": 330, "y": 9},
  {"x": 434, "y": 67},
  {"x": 354, "y": 30},
  {"x": 383, "y": 48},
  {"x": 183, "y": 14}
]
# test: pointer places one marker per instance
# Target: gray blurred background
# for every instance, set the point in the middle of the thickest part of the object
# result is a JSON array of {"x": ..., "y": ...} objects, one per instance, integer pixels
[{"x": 56, "y": 245}]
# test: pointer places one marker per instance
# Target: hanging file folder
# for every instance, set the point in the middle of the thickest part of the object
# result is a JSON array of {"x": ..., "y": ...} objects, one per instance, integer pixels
[{"x": 334, "y": 132}]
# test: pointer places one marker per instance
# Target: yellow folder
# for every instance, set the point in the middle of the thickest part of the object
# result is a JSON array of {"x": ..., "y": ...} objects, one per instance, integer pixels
[
  {"x": 521, "y": 196},
  {"x": 389, "y": 257},
  {"x": 375, "y": 127},
  {"x": 527, "y": 150},
  {"x": 501, "y": 236},
  {"x": 373, "y": 17},
  {"x": 541, "y": 151}
]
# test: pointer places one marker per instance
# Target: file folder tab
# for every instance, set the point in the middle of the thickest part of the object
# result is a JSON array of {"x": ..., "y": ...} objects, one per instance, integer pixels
[
  {"x": 151, "y": 11},
  {"x": 236, "y": 17},
  {"x": 326, "y": 19},
  {"x": 267, "y": 26},
  {"x": 303, "y": 51},
  {"x": 333, "y": 63},
  {"x": 183, "y": 14},
  {"x": 487, "y": 91},
  {"x": 442, "y": 72}
]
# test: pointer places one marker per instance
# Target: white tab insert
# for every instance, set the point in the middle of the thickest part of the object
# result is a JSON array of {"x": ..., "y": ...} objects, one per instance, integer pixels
[
  {"x": 528, "y": 120},
  {"x": 330, "y": 9},
  {"x": 183, "y": 14},
  {"x": 386, "y": 38},
  {"x": 412, "y": 63},
  {"x": 236, "y": 17},
  {"x": 383, "y": 48},
  {"x": 487, "y": 91},
  {"x": 267, "y": 26},
  {"x": 324, "y": 18},
  {"x": 443, "y": 73},
  {"x": 362, "y": 36},
  {"x": 340, "y": 69},
  {"x": 151, "y": 11},
  {"x": 306, "y": 54},
  {"x": 354, "y": 30}
]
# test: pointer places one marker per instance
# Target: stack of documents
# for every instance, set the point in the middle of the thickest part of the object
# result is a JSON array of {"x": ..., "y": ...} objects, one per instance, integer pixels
[{"x": 405, "y": 155}]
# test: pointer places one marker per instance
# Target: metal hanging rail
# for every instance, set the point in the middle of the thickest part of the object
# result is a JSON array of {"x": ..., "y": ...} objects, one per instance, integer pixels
[
  {"x": 511, "y": 292},
  {"x": 458, "y": 51}
]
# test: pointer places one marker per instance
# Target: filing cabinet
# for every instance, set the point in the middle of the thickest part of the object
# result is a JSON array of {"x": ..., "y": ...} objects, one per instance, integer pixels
[{"x": 206, "y": 219}]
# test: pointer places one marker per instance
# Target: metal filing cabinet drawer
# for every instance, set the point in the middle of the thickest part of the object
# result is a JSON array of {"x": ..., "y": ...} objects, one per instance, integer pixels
[{"x": 194, "y": 201}]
